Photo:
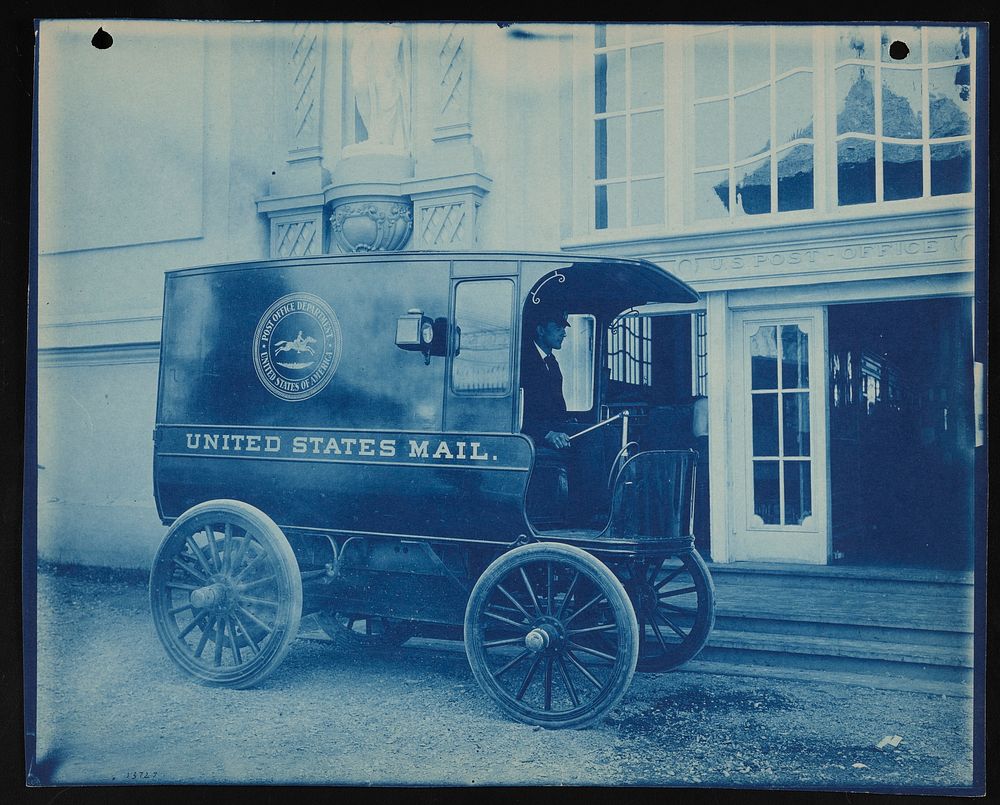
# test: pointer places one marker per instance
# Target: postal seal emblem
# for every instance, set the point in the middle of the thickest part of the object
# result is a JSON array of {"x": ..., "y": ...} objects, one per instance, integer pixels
[{"x": 297, "y": 346}]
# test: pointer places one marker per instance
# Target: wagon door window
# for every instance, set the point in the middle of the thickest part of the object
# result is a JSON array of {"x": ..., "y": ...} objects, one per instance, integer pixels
[{"x": 484, "y": 321}]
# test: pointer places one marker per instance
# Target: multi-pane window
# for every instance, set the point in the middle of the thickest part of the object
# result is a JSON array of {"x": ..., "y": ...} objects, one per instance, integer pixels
[
  {"x": 629, "y": 165},
  {"x": 630, "y": 350},
  {"x": 779, "y": 400},
  {"x": 904, "y": 99},
  {"x": 753, "y": 121}
]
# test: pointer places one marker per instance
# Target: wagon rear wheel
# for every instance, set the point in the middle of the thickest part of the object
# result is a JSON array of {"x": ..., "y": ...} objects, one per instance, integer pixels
[
  {"x": 674, "y": 601},
  {"x": 551, "y": 635},
  {"x": 226, "y": 594},
  {"x": 363, "y": 632}
]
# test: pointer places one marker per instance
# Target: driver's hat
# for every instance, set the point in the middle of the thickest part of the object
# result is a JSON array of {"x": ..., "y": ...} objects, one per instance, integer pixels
[{"x": 546, "y": 313}]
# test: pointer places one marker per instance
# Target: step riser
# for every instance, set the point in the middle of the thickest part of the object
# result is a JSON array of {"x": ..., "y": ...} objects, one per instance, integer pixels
[
  {"x": 873, "y": 667},
  {"x": 876, "y": 587},
  {"x": 844, "y": 631}
]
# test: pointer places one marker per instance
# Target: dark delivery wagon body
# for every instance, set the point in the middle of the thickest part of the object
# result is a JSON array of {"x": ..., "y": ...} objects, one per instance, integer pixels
[{"x": 341, "y": 436}]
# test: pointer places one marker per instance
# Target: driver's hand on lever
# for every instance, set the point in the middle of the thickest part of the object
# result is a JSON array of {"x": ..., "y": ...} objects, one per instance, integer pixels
[{"x": 557, "y": 439}]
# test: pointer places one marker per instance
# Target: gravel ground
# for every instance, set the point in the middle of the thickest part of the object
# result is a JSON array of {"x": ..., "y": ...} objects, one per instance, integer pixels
[{"x": 113, "y": 709}]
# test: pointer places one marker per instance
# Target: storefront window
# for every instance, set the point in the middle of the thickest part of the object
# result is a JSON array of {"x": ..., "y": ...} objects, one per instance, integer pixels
[
  {"x": 903, "y": 107},
  {"x": 629, "y": 164},
  {"x": 753, "y": 121}
]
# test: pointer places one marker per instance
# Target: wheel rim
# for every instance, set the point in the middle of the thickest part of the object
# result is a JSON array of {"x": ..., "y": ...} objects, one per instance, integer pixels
[
  {"x": 223, "y": 598},
  {"x": 553, "y": 642},
  {"x": 674, "y": 605}
]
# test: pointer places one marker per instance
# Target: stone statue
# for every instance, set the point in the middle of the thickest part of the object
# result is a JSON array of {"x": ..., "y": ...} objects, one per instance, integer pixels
[{"x": 380, "y": 78}]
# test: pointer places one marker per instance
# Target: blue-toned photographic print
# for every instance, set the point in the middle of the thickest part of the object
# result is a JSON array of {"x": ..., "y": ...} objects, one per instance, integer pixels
[{"x": 463, "y": 404}]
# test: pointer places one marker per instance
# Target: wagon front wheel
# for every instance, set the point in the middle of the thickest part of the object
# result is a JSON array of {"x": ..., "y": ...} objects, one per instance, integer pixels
[
  {"x": 226, "y": 594},
  {"x": 551, "y": 635}
]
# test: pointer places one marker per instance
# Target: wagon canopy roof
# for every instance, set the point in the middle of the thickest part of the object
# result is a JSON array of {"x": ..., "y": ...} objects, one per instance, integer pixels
[{"x": 628, "y": 281}]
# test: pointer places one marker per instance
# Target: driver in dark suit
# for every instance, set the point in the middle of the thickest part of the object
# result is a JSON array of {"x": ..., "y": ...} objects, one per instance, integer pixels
[{"x": 545, "y": 412}]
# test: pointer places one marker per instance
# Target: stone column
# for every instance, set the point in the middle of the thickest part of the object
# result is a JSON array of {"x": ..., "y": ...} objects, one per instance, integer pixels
[{"x": 294, "y": 204}]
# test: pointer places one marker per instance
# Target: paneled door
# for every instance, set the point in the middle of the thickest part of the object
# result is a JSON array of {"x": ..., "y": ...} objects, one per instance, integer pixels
[{"x": 778, "y": 398}]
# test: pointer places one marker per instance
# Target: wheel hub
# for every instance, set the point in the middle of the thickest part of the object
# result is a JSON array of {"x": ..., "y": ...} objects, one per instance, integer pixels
[
  {"x": 537, "y": 640},
  {"x": 212, "y": 596}
]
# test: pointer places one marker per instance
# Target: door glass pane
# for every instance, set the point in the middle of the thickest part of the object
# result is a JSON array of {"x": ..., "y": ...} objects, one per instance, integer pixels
[
  {"x": 765, "y": 424},
  {"x": 795, "y": 423},
  {"x": 483, "y": 312},
  {"x": 798, "y": 491},
  {"x": 794, "y": 357},
  {"x": 764, "y": 358},
  {"x": 766, "y": 495}
]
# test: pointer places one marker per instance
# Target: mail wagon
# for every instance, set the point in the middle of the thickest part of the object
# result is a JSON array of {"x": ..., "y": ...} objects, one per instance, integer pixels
[{"x": 341, "y": 438}]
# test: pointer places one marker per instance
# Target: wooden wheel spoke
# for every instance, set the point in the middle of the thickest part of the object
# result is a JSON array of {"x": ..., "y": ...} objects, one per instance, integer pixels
[
  {"x": 219, "y": 638},
  {"x": 256, "y": 583},
  {"x": 514, "y": 601},
  {"x": 240, "y": 553},
  {"x": 528, "y": 677},
  {"x": 592, "y": 651},
  {"x": 213, "y": 547},
  {"x": 675, "y": 628},
  {"x": 495, "y": 616},
  {"x": 190, "y": 541},
  {"x": 227, "y": 553},
  {"x": 263, "y": 602},
  {"x": 548, "y": 602},
  {"x": 507, "y": 641},
  {"x": 670, "y": 577},
  {"x": 253, "y": 563},
  {"x": 204, "y": 637},
  {"x": 663, "y": 606},
  {"x": 567, "y": 682},
  {"x": 531, "y": 592},
  {"x": 246, "y": 633},
  {"x": 232, "y": 641},
  {"x": 254, "y": 619},
  {"x": 682, "y": 591},
  {"x": 548, "y": 683},
  {"x": 590, "y": 677},
  {"x": 196, "y": 621},
  {"x": 584, "y": 608},
  {"x": 179, "y": 585},
  {"x": 607, "y": 627},
  {"x": 659, "y": 635},
  {"x": 189, "y": 569},
  {"x": 512, "y": 663},
  {"x": 569, "y": 592},
  {"x": 180, "y": 609}
]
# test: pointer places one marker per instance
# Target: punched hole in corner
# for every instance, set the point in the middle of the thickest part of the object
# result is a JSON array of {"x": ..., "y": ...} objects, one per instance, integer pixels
[
  {"x": 899, "y": 50},
  {"x": 102, "y": 40}
]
